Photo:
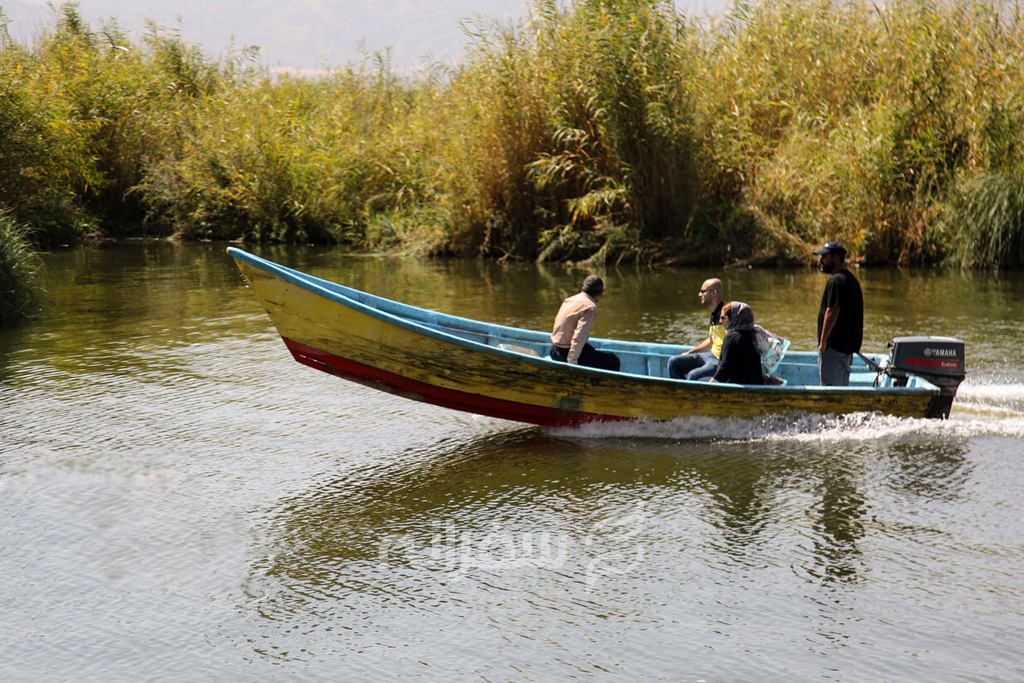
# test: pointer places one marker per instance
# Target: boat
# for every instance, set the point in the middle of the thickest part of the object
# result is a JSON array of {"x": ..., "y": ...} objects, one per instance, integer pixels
[{"x": 505, "y": 372}]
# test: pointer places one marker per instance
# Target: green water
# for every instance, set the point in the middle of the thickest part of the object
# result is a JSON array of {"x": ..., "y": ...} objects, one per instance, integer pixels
[{"x": 179, "y": 500}]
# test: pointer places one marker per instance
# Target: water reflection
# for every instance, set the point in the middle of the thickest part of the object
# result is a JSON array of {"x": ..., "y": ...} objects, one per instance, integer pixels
[
  {"x": 113, "y": 309},
  {"x": 839, "y": 526},
  {"x": 107, "y": 287},
  {"x": 929, "y": 470},
  {"x": 623, "y": 505}
]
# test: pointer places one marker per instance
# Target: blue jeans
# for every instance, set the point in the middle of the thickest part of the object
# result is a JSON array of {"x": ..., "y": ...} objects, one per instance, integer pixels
[
  {"x": 693, "y": 366},
  {"x": 834, "y": 368}
]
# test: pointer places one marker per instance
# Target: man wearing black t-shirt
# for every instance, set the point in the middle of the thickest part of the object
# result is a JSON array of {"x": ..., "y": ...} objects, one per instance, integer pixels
[{"x": 841, "y": 318}]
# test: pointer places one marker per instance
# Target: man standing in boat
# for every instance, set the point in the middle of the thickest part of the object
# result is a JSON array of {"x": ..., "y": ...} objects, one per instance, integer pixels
[
  {"x": 572, "y": 329},
  {"x": 701, "y": 361},
  {"x": 840, "y": 319}
]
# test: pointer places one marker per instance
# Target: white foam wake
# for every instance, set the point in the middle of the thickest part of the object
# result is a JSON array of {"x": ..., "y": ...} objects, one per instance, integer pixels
[
  {"x": 994, "y": 394},
  {"x": 968, "y": 419}
]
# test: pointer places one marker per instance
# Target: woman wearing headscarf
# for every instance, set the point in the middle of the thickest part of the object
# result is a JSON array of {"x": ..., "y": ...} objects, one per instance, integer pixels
[{"x": 740, "y": 362}]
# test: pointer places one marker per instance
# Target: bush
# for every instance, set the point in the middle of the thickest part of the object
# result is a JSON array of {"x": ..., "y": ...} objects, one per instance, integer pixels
[
  {"x": 42, "y": 154},
  {"x": 987, "y": 218},
  {"x": 19, "y": 270}
]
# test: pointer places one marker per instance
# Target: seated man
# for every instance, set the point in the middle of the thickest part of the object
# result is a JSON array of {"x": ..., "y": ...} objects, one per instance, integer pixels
[
  {"x": 701, "y": 361},
  {"x": 572, "y": 329}
]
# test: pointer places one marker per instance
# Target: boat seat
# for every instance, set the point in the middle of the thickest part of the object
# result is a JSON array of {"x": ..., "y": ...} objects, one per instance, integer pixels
[
  {"x": 656, "y": 366},
  {"x": 518, "y": 349}
]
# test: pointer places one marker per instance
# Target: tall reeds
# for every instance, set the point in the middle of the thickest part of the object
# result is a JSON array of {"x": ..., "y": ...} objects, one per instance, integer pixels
[
  {"x": 596, "y": 129},
  {"x": 19, "y": 268},
  {"x": 585, "y": 126},
  {"x": 988, "y": 218},
  {"x": 44, "y": 155},
  {"x": 852, "y": 120}
]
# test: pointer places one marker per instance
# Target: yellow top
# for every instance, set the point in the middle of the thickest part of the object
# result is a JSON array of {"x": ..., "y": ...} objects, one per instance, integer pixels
[{"x": 717, "y": 334}]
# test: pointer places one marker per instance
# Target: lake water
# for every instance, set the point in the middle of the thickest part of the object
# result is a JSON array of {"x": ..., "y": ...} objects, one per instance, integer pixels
[{"x": 181, "y": 501}]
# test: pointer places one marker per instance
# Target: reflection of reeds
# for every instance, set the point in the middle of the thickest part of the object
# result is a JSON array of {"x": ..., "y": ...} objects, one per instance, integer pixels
[{"x": 616, "y": 129}]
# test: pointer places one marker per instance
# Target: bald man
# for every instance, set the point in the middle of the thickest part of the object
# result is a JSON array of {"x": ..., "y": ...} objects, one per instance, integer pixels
[{"x": 701, "y": 362}]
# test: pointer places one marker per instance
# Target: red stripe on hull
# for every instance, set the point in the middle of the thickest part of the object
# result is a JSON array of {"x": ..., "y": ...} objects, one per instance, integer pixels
[{"x": 439, "y": 396}]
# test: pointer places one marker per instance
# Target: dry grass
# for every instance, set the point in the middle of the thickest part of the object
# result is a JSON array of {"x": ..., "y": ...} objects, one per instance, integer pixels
[{"x": 609, "y": 130}]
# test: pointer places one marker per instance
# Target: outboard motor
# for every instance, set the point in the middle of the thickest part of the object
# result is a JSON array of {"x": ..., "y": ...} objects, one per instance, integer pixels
[{"x": 940, "y": 360}]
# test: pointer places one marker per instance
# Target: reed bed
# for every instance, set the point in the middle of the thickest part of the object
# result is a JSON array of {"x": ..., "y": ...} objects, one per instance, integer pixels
[
  {"x": 594, "y": 130},
  {"x": 19, "y": 272}
]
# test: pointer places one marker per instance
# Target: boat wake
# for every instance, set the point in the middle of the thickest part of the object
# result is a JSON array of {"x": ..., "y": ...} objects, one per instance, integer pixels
[
  {"x": 987, "y": 409},
  {"x": 995, "y": 394}
]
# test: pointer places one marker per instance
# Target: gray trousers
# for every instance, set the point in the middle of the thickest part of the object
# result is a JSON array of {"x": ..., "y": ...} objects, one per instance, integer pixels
[{"x": 834, "y": 368}]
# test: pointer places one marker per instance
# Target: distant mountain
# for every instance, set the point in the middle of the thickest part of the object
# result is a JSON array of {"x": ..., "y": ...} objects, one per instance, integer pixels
[{"x": 299, "y": 34}]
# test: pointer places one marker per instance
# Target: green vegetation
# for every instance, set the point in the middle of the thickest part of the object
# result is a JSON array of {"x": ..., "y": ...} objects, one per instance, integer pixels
[
  {"x": 19, "y": 267},
  {"x": 601, "y": 130},
  {"x": 989, "y": 210}
]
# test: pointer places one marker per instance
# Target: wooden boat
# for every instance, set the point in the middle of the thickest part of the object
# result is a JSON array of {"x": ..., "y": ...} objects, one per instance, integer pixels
[{"x": 505, "y": 372}]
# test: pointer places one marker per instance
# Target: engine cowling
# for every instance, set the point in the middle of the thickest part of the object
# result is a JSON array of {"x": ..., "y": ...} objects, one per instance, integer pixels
[{"x": 940, "y": 360}]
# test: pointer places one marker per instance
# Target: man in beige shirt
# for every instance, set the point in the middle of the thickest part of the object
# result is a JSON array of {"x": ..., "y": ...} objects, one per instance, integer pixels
[{"x": 572, "y": 329}]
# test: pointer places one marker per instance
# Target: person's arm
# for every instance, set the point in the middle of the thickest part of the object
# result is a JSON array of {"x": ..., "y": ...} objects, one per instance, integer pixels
[
  {"x": 831, "y": 316},
  {"x": 703, "y": 346},
  {"x": 581, "y": 335}
]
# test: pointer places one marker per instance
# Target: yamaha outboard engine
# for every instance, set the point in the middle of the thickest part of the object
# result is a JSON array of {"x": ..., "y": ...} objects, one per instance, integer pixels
[{"x": 940, "y": 360}]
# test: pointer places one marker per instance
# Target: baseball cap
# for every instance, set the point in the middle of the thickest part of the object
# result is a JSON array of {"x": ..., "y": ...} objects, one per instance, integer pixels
[{"x": 831, "y": 248}]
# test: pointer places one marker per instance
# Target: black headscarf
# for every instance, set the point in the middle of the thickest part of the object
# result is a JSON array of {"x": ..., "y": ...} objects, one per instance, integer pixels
[{"x": 742, "y": 317}]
